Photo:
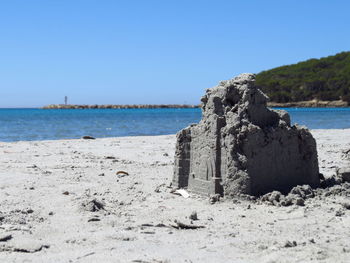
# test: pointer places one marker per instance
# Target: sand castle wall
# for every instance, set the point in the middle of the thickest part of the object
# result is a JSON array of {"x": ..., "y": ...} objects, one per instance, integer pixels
[{"x": 242, "y": 147}]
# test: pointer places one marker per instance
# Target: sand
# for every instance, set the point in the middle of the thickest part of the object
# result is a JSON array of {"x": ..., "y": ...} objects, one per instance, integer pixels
[{"x": 61, "y": 201}]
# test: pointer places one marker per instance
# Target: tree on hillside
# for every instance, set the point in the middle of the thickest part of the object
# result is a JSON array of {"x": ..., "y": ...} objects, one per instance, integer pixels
[{"x": 324, "y": 79}]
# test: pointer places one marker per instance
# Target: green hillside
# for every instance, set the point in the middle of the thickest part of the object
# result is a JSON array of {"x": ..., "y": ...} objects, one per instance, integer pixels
[{"x": 324, "y": 79}]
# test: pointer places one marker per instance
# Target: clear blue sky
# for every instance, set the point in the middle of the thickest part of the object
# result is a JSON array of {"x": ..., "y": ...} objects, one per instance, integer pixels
[{"x": 125, "y": 52}]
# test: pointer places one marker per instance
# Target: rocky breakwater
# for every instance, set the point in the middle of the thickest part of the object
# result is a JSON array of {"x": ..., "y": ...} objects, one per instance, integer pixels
[
  {"x": 242, "y": 147},
  {"x": 112, "y": 106}
]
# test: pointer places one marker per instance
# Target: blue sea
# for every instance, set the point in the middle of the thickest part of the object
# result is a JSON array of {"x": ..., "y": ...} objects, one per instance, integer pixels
[{"x": 39, "y": 124}]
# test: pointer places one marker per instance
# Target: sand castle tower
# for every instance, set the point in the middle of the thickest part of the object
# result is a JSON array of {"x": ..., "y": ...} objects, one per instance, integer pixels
[{"x": 242, "y": 147}]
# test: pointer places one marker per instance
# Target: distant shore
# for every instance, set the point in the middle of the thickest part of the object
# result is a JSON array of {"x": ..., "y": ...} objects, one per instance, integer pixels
[
  {"x": 298, "y": 104},
  {"x": 310, "y": 104},
  {"x": 111, "y": 106}
]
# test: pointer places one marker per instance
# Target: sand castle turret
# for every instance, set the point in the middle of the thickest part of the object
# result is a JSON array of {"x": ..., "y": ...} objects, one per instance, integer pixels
[{"x": 242, "y": 147}]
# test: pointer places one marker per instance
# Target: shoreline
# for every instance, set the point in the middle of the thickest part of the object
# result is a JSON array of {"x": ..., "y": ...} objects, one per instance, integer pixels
[{"x": 143, "y": 136}]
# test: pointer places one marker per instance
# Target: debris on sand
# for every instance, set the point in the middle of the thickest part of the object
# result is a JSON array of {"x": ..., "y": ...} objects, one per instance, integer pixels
[
  {"x": 179, "y": 225},
  {"x": 290, "y": 244},
  {"x": 110, "y": 158},
  {"x": 242, "y": 147},
  {"x": 330, "y": 181},
  {"x": 94, "y": 219},
  {"x": 30, "y": 249},
  {"x": 93, "y": 205},
  {"x": 346, "y": 206},
  {"x": 30, "y": 211},
  {"x": 299, "y": 194},
  {"x": 122, "y": 173},
  {"x": 339, "y": 189},
  {"x": 182, "y": 192},
  {"x": 34, "y": 166},
  {"x": 193, "y": 216},
  {"x": 87, "y": 137},
  {"x": 296, "y": 196},
  {"x": 344, "y": 174},
  {"x": 158, "y": 188},
  {"x": 303, "y": 191},
  {"x": 153, "y": 225},
  {"x": 214, "y": 198},
  {"x": 5, "y": 237},
  {"x": 24, "y": 246},
  {"x": 273, "y": 198},
  {"x": 339, "y": 213}
]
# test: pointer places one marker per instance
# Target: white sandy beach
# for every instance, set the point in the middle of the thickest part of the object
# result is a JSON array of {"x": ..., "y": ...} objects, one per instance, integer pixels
[{"x": 45, "y": 214}]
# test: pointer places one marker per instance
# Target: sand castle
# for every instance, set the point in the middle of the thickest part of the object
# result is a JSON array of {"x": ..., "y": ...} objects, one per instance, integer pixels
[{"x": 242, "y": 147}]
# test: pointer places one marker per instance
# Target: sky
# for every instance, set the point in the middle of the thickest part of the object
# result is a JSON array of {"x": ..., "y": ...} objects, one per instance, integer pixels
[{"x": 154, "y": 52}]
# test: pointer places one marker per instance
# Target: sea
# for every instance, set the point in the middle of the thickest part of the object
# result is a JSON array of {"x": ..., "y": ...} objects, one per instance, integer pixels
[{"x": 40, "y": 124}]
